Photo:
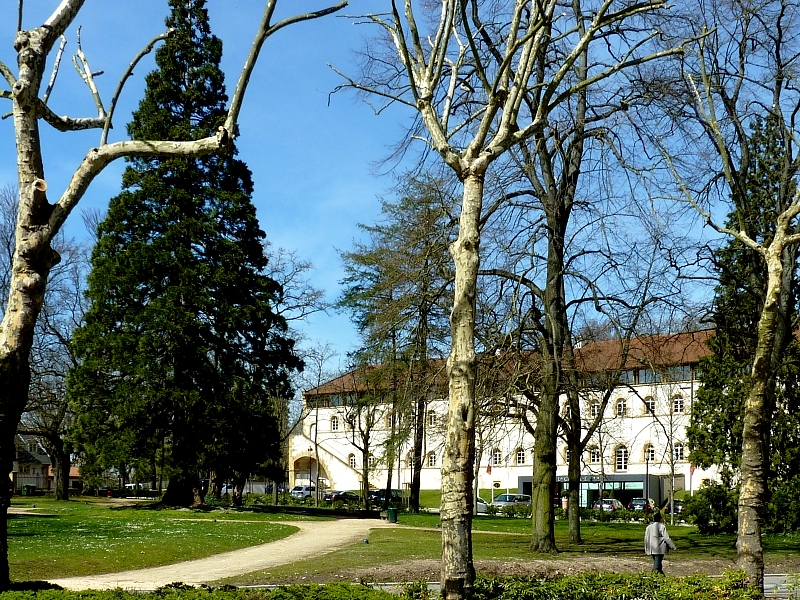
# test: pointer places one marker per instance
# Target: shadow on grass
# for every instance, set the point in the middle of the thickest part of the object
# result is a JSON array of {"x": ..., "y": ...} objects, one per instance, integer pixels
[{"x": 32, "y": 586}]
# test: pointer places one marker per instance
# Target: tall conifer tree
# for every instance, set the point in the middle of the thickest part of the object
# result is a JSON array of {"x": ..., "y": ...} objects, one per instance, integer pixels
[
  {"x": 715, "y": 434},
  {"x": 182, "y": 352}
]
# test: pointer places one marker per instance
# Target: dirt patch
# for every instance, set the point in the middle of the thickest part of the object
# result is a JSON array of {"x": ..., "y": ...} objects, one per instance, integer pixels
[{"x": 429, "y": 570}]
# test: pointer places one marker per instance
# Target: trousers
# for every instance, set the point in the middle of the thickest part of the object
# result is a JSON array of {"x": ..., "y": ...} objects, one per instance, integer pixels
[{"x": 658, "y": 559}]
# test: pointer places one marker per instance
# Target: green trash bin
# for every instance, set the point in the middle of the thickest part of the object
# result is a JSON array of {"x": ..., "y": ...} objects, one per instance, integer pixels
[
  {"x": 28, "y": 489},
  {"x": 391, "y": 515}
]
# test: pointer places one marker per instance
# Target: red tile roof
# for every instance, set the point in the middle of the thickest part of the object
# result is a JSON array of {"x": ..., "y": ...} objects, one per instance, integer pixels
[{"x": 665, "y": 350}]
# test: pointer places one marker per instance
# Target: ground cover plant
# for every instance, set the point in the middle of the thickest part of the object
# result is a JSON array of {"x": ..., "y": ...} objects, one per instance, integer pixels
[
  {"x": 612, "y": 586},
  {"x": 575, "y": 587},
  {"x": 58, "y": 539}
]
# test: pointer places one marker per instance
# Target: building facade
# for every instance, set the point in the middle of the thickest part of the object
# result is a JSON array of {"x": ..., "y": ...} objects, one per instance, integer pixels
[{"x": 637, "y": 450}]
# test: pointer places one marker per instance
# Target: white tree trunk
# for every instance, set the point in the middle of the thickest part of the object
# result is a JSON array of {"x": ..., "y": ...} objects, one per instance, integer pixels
[
  {"x": 458, "y": 572},
  {"x": 752, "y": 490}
]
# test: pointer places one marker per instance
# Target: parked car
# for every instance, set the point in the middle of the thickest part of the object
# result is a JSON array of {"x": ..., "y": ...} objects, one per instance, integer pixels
[
  {"x": 481, "y": 506},
  {"x": 332, "y": 496},
  {"x": 679, "y": 507},
  {"x": 511, "y": 500},
  {"x": 641, "y": 504},
  {"x": 608, "y": 504},
  {"x": 376, "y": 497},
  {"x": 303, "y": 492}
]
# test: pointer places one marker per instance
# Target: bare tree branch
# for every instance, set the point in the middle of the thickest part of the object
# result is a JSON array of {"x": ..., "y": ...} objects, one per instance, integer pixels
[
  {"x": 7, "y": 74},
  {"x": 82, "y": 67},
  {"x": 56, "y": 66},
  {"x": 128, "y": 72},
  {"x": 265, "y": 31},
  {"x": 63, "y": 123}
]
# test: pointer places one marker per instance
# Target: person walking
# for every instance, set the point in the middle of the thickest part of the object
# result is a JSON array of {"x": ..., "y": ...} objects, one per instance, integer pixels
[{"x": 657, "y": 542}]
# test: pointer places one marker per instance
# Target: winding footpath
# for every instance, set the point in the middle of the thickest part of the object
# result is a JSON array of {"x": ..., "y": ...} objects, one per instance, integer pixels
[{"x": 312, "y": 539}]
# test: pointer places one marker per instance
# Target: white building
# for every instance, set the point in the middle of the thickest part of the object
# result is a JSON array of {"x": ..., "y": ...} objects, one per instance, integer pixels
[{"x": 639, "y": 448}]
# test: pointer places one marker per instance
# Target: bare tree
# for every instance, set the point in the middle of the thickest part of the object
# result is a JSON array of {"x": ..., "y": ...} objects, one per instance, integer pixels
[
  {"x": 482, "y": 78},
  {"x": 39, "y": 220},
  {"x": 739, "y": 72},
  {"x": 316, "y": 372},
  {"x": 363, "y": 406},
  {"x": 47, "y": 414}
]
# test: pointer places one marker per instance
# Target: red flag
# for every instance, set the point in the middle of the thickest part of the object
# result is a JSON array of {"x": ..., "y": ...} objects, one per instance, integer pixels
[
  {"x": 489, "y": 468},
  {"x": 691, "y": 469}
]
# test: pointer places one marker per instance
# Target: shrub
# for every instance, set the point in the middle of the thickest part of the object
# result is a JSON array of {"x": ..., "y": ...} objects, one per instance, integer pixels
[
  {"x": 516, "y": 510},
  {"x": 585, "y": 586},
  {"x": 178, "y": 591},
  {"x": 713, "y": 509},
  {"x": 523, "y": 510},
  {"x": 508, "y": 511},
  {"x": 491, "y": 510},
  {"x": 612, "y": 586},
  {"x": 783, "y": 509}
]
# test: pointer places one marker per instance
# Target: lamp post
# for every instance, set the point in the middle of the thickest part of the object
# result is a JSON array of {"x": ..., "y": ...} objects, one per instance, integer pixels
[{"x": 647, "y": 476}]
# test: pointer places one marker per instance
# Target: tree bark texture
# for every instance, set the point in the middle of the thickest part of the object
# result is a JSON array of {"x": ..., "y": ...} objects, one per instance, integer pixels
[
  {"x": 557, "y": 209},
  {"x": 544, "y": 473},
  {"x": 574, "y": 508},
  {"x": 61, "y": 465},
  {"x": 33, "y": 259},
  {"x": 458, "y": 571},
  {"x": 419, "y": 435},
  {"x": 752, "y": 490}
]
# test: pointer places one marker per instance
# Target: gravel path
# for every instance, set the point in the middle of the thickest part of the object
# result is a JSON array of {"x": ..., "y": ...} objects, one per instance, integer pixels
[{"x": 313, "y": 539}]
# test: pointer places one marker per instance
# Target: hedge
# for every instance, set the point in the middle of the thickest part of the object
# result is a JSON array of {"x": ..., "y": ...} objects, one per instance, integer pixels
[{"x": 586, "y": 586}]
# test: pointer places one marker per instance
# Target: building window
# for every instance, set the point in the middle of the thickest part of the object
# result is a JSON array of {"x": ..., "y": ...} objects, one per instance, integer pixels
[
  {"x": 594, "y": 456},
  {"x": 567, "y": 411},
  {"x": 649, "y": 376},
  {"x": 621, "y": 456},
  {"x": 352, "y": 460},
  {"x": 595, "y": 408},
  {"x": 682, "y": 373},
  {"x": 431, "y": 459},
  {"x": 677, "y": 404},
  {"x": 410, "y": 460},
  {"x": 431, "y": 419},
  {"x": 677, "y": 451},
  {"x": 566, "y": 456},
  {"x": 371, "y": 461},
  {"x": 497, "y": 458},
  {"x": 520, "y": 456},
  {"x": 622, "y": 407},
  {"x": 650, "y": 453},
  {"x": 650, "y": 405},
  {"x": 334, "y": 423}
]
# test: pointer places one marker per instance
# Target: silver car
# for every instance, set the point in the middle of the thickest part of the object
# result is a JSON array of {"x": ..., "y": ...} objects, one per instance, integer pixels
[
  {"x": 302, "y": 492},
  {"x": 511, "y": 500}
]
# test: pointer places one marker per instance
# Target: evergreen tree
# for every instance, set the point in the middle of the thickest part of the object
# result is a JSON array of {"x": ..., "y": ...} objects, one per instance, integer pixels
[
  {"x": 715, "y": 434},
  {"x": 182, "y": 352},
  {"x": 398, "y": 288}
]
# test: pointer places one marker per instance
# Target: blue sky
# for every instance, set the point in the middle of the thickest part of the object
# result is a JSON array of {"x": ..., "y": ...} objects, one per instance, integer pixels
[{"x": 314, "y": 162}]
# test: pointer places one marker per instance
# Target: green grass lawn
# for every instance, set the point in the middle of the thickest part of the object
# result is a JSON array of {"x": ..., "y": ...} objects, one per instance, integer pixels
[
  {"x": 501, "y": 538},
  {"x": 80, "y": 538}
]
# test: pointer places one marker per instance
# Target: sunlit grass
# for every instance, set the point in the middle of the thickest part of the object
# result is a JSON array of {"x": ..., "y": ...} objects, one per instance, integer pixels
[
  {"x": 81, "y": 538},
  {"x": 78, "y": 538}
]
